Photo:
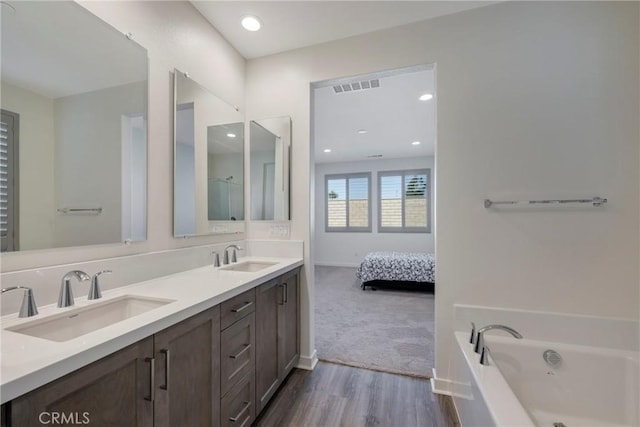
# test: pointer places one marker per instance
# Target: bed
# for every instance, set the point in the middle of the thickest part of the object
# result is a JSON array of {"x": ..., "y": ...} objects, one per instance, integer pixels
[{"x": 396, "y": 267}]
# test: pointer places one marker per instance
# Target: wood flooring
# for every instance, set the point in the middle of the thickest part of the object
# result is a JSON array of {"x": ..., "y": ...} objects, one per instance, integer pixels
[{"x": 336, "y": 395}]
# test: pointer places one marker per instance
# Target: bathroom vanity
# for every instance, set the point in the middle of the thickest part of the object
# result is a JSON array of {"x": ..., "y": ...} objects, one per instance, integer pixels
[{"x": 214, "y": 355}]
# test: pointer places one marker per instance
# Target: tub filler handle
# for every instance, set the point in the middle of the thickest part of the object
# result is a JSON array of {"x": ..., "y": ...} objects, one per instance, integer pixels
[
  {"x": 484, "y": 355},
  {"x": 473, "y": 338}
]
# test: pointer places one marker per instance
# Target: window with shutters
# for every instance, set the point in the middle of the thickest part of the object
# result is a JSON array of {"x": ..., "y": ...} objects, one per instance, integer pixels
[
  {"x": 8, "y": 182},
  {"x": 348, "y": 202},
  {"x": 404, "y": 201}
]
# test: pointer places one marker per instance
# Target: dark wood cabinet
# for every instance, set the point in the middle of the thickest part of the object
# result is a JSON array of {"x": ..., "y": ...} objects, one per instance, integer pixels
[
  {"x": 277, "y": 342},
  {"x": 187, "y": 372},
  {"x": 217, "y": 368},
  {"x": 238, "y": 408},
  {"x": 290, "y": 348},
  {"x": 238, "y": 360},
  {"x": 268, "y": 299},
  {"x": 112, "y": 392}
]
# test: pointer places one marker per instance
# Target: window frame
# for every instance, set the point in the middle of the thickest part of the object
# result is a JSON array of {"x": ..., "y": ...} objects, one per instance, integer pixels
[
  {"x": 346, "y": 177},
  {"x": 403, "y": 173}
]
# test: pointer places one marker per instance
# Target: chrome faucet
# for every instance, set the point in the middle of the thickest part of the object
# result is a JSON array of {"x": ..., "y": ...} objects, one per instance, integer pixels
[
  {"x": 65, "y": 299},
  {"x": 28, "y": 307},
  {"x": 94, "y": 290},
  {"x": 216, "y": 259},
  {"x": 480, "y": 335},
  {"x": 233, "y": 254}
]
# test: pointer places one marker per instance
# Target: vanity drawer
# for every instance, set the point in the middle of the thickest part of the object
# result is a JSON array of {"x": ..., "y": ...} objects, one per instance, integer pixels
[
  {"x": 237, "y": 408},
  {"x": 237, "y": 352},
  {"x": 236, "y": 308}
]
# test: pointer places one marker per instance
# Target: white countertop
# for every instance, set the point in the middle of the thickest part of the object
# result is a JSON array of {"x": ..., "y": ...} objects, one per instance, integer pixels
[{"x": 27, "y": 362}]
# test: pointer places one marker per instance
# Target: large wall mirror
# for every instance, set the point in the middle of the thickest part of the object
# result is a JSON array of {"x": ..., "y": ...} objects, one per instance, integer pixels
[
  {"x": 270, "y": 142},
  {"x": 73, "y": 145},
  {"x": 208, "y": 162}
]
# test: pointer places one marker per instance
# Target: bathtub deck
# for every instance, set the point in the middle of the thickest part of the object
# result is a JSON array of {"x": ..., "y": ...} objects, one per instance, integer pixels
[{"x": 336, "y": 395}]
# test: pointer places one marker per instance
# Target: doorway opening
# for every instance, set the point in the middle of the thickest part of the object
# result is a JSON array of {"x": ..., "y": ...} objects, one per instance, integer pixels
[{"x": 373, "y": 157}]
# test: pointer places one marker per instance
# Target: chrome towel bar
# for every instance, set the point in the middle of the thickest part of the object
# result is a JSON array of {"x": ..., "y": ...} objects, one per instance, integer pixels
[
  {"x": 89, "y": 211},
  {"x": 595, "y": 201}
]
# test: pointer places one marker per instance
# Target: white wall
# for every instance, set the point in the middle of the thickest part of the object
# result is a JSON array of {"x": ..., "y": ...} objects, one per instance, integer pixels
[
  {"x": 348, "y": 249},
  {"x": 176, "y": 36},
  {"x": 36, "y": 166},
  {"x": 534, "y": 99}
]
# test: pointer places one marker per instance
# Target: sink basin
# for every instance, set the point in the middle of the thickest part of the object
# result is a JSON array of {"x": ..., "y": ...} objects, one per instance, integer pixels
[
  {"x": 249, "y": 266},
  {"x": 74, "y": 323}
]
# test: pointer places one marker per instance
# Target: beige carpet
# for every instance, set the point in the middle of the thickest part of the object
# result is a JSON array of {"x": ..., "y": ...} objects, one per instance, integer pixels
[{"x": 386, "y": 330}]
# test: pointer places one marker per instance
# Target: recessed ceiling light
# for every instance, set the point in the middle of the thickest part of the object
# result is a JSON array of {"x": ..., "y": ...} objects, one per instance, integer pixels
[
  {"x": 327, "y": 150},
  {"x": 362, "y": 131},
  {"x": 425, "y": 97},
  {"x": 231, "y": 135},
  {"x": 251, "y": 23},
  {"x": 415, "y": 143}
]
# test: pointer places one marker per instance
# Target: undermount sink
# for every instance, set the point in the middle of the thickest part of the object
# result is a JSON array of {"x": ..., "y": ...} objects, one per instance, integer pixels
[
  {"x": 249, "y": 266},
  {"x": 80, "y": 321}
]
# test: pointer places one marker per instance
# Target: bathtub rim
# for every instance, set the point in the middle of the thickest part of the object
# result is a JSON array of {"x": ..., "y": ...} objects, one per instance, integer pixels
[{"x": 494, "y": 388}]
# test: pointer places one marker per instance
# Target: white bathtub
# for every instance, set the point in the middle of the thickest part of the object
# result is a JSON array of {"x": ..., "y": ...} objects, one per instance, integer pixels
[{"x": 593, "y": 387}]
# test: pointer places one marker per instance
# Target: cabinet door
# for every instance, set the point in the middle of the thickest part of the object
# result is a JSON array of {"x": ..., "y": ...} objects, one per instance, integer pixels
[
  {"x": 289, "y": 335},
  {"x": 188, "y": 372},
  {"x": 114, "y": 391},
  {"x": 269, "y": 297}
]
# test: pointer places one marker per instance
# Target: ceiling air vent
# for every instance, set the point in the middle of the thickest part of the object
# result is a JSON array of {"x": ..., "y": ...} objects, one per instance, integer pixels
[
  {"x": 355, "y": 86},
  {"x": 375, "y": 156}
]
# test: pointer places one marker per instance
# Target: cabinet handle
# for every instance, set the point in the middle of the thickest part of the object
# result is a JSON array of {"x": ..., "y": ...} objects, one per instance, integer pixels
[
  {"x": 152, "y": 379},
  {"x": 286, "y": 293},
  {"x": 238, "y": 354},
  {"x": 244, "y": 307},
  {"x": 167, "y": 367},
  {"x": 283, "y": 293},
  {"x": 246, "y": 405}
]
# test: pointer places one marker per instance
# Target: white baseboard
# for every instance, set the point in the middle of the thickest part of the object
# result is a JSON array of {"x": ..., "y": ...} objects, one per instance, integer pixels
[
  {"x": 440, "y": 386},
  {"x": 308, "y": 362},
  {"x": 336, "y": 264}
]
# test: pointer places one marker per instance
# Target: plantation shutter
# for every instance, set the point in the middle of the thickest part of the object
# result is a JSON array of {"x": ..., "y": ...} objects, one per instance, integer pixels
[{"x": 8, "y": 166}]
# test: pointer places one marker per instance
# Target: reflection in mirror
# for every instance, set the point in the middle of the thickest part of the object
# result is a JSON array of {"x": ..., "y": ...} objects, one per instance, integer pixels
[
  {"x": 74, "y": 106},
  {"x": 270, "y": 157},
  {"x": 208, "y": 162}
]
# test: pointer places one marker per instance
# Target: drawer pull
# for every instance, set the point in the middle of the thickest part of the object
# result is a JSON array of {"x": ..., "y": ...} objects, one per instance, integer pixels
[
  {"x": 152, "y": 378},
  {"x": 238, "y": 354},
  {"x": 167, "y": 371},
  {"x": 245, "y": 406},
  {"x": 243, "y": 307}
]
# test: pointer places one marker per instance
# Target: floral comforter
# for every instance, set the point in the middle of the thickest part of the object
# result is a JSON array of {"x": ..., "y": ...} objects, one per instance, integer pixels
[{"x": 402, "y": 266}]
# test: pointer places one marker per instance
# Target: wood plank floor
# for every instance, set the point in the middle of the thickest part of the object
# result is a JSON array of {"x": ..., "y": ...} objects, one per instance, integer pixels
[{"x": 335, "y": 395}]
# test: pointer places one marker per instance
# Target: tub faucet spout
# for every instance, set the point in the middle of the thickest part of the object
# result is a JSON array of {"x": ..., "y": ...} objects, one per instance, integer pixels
[{"x": 480, "y": 335}]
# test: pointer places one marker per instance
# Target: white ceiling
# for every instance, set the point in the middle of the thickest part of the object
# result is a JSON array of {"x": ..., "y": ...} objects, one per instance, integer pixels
[
  {"x": 392, "y": 115},
  {"x": 293, "y": 24}
]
